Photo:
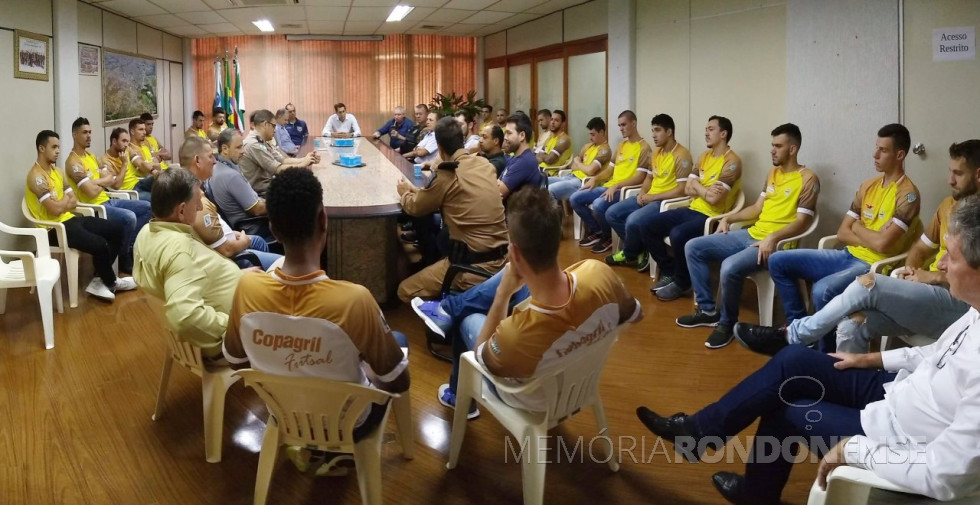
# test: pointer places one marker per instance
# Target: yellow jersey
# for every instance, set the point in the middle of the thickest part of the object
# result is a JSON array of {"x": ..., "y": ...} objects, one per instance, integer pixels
[
  {"x": 133, "y": 174},
  {"x": 786, "y": 195},
  {"x": 725, "y": 170},
  {"x": 561, "y": 145},
  {"x": 593, "y": 154},
  {"x": 670, "y": 168},
  {"x": 194, "y": 131},
  {"x": 876, "y": 205},
  {"x": 630, "y": 157},
  {"x": 82, "y": 169},
  {"x": 41, "y": 185},
  {"x": 155, "y": 148},
  {"x": 935, "y": 236}
]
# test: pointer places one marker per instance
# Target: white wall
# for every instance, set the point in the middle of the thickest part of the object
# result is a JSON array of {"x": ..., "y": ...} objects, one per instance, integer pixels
[{"x": 574, "y": 23}]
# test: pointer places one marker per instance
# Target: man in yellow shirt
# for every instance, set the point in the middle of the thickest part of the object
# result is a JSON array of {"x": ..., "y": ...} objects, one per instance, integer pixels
[
  {"x": 784, "y": 209},
  {"x": 141, "y": 170},
  {"x": 714, "y": 184},
  {"x": 218, "y": 124},
  {"x": 160, "y": 154},
  {"x": 593, "y": 157},
  {"x": 671, "y": 168},
  {"x": 197, "y": 126},
  {"x": 195, "y": 283},
  {"x": 558, "y": 148},
  {"x": 50, "y": 199},
  {"x": 89, "y": 180},
  {"x": 543, "y": 132},
  {"x": 486, "y": 117},
  {"x": 918, "y": 302},
  {"x": 595, "y": 196},
  {"x": 879, "y": 224}
]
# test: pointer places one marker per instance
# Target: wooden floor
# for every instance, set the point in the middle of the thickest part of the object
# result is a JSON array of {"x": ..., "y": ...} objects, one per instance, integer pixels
[{"x": 75, "y": 420}]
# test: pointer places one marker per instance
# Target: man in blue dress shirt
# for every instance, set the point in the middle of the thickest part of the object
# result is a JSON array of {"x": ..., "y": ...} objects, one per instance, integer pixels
[{"x": 396, "y": 128}]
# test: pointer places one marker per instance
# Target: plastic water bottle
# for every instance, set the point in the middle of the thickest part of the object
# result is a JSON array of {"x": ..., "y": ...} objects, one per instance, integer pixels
[{"x": 418, "y": 170}]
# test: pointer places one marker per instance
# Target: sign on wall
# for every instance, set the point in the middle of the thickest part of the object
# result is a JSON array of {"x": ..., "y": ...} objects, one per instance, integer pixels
[
  {"x": 949, "y": 44},
  {"x": 129, "y": 86}
]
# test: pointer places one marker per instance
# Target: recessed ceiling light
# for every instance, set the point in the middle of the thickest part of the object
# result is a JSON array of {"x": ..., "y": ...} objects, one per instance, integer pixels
[
  {"x": 264, "y": 25},
  {"x": 399, "y": 13}
]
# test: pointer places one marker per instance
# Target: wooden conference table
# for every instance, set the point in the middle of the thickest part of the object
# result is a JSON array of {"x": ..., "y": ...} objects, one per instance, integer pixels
[{"x": 362, "y": 207}]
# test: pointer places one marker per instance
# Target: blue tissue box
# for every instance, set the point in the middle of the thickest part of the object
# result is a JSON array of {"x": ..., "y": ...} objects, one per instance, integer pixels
[
  {"x": 350, "y": 160},
  {"x": 343, "y": 142}
]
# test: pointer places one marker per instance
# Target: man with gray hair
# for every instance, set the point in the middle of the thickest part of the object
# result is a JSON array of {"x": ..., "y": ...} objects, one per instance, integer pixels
[
  {"x": 909, "y": 415},
  {"x": 260, "y": 160},
  {"x": 397, "y": 128},
  {"x": 238, "y": 202},
  {"x": 195, "y": 283},
  {"x": 282, "y": 135}
]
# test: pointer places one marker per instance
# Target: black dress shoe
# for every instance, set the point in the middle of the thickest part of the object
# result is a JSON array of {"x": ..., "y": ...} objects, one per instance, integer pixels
[
  {"x": 678, "y": 426},
  {"x": 409, "y": 236},
  {"x": 761, "y": 339},
  {"x": 731, "y": 486}
]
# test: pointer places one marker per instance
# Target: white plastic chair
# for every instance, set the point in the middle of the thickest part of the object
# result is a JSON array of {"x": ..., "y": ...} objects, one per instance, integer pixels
[
  {"x": 215, "y": 382},
  {"x": 27, "y": 270},
  {"x": 848, "y": 485},
  {"x": 321, "y": 414},
  {"x": 568, "y": 389},
  {"x": 684, "y": 202},
  {"x": 70, "y": 255},
  {"x": 123, "y": 194},
  {"x": 764, "y": 285}
]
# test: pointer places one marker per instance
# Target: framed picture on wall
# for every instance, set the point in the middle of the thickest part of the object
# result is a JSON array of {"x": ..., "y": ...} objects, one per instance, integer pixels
[
  {"x": 32, "y": 53},
  {"x": 129, "y": 86},
  {"x": 88, "y": 59}
]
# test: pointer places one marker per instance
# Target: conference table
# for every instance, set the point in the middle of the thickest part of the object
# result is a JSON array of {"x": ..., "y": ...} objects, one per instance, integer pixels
[{"x": 362, "y": 207}]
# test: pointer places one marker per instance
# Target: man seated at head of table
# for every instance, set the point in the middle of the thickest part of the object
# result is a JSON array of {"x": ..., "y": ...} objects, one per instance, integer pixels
[
  {"x": 260, "y": 160},
  {"x": 341, "y": 125},
  {"x": 464, "y": 189}
]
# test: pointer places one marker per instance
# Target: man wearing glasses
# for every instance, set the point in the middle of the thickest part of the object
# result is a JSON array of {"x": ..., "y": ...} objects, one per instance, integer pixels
[
  {"x": 909, "y": 415},
  {"x": 298, "y": 132},
  {"x": 260, "y": 160}
]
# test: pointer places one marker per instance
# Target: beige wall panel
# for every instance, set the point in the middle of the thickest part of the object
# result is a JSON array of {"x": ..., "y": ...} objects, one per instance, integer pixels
[
  {"x": 89, "y": 24},
  {"x": 538, "y": 33},
  {"x": 118, "y": 33},
  {"x": 495, "y": 45},
  {"x": 587, "y": 20},
  {"x": 149, "y": 42},
  {"x": 31, "y": 15},
  {"x": 172, "y": 48},
  {"x": 663, "y": 39}
]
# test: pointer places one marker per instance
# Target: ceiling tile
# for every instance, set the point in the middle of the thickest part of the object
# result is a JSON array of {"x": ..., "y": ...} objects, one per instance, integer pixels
[
  {"x": 517, "y": 19},
  {"x": 320, "y": 13},
  {"x": 331, "y": 3},
  {"x": 220, "y": 28},
  {"x": 162, "y": 20},
  {"x": 219, "y": 4},
  {"x": 553, "y": 6},
  {"x": 486, "y": 17},
  {"x": 188, "y": 31},
  {"x": 181, "y": 5},
  {"x": 361, "y": 27},
  {"x": 459, "y": 29},
  {"x": 326, "y": 27},
  {"x": 368, "y": 13},
  {"x": 381, "y": 3},
  {"x": 276, "y": 14},
  {"x": 470, "y": 4},
  {"x": 202, "y": 18},
  {"x": 293, "y": 27},
  {"x": 133, "y": 8},
  {"x": 443, "y": 16},
  {"x": 515, "y": 5}
]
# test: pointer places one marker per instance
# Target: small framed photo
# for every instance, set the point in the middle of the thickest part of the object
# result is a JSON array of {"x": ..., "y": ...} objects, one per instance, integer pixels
[
  {"x": 88, "y": 59},
  {"x": 32, "y": 56}
]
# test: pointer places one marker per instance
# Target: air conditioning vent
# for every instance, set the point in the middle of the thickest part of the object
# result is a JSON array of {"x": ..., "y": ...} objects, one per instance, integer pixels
[
  {"x": 432, "y": 27},
  {"x": 290, "y": 25},
  {"x": 262, "y": 3}
]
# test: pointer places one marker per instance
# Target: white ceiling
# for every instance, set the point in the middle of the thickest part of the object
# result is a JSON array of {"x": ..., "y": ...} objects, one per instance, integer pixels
[{"x": 214, "y": 18}]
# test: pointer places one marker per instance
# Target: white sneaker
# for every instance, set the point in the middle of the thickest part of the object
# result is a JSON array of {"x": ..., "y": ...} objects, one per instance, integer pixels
[
  {"x": 125, "y": 284},
  {"x": 98, "y": 289}
]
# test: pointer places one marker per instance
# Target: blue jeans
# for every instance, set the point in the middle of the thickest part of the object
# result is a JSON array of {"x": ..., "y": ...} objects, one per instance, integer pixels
[
  {"x": 260, "y": 248},
  {"x": 131, "y": 215},
  {"x": 784, "y": 393},
  {"x": 594, "y": 218},
  {"x": 468, "y": 310},
  {"x": 890, "y": 306},
  {"x": 144, "y": 187},
  {"x": 629, "y": 219},
  {"x": 681, "y": 225},
  {"x": 831, "y": 270},
  {"x": 562, "y": 187},
  {"x": 737, "y": 261}
]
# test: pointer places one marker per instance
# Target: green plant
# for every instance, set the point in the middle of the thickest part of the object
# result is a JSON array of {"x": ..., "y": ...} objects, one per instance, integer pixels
[{"x": 448, "y": 105}]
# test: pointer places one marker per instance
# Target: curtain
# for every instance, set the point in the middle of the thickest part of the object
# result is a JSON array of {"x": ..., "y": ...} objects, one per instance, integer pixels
[{"x": 370, "y": 77}]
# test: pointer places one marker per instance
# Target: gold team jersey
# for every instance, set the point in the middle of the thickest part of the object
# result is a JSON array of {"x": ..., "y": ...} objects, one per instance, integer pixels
[
  {"x": 593, "y": 153},
  {"x": 935, "y": 236},
  {"x": 786, "y": 195},
  {"x": 154, "y": 145},
  {"x": 537, "y": 338},
  {"x": 118, "y": 164},
  {"x": 41, "y": 185},
  {"x": 82, "y": 169},
  {"x": 551, "y": 145},
  {"x": 670, "y": 168},
  {"x": 194, "y": 131},
  {"x": 876, "y": 205},
  {"x": 630, "y": 157},
  {"x": 725, "y": 170},
  {"x": 133, "y": 174},
  {"x": 311, "y": 326}
]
